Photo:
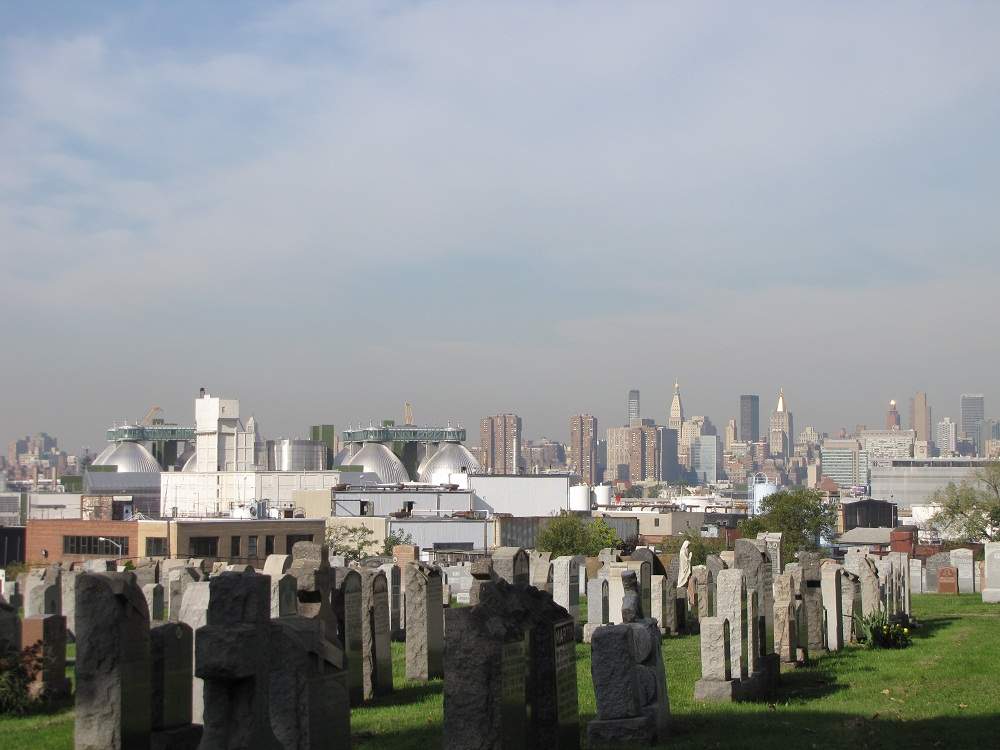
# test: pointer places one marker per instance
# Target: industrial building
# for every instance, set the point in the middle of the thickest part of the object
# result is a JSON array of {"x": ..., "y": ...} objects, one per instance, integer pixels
[{"x": 908, "y": 482}]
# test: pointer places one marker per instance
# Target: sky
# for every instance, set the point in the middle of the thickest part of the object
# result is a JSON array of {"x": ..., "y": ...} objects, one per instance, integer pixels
[{"x": 326, "y": 209}]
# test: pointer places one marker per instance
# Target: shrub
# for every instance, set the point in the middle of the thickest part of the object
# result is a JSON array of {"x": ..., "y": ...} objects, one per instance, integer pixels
[
  {"x": 876, "y": 631},
  {"x": 17, "y": 671}
]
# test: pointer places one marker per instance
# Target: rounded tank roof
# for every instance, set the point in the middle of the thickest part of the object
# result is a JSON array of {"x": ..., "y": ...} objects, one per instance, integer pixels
[
  {"x": 101, "y": 457},
  {"x": 382, "y": 462},
  {"x": 344, "y": 455},
  {"x": 191, "y": 464},
  {"x": 186, "y": 456},
  {"x": 450, "y": 458},
  {"x": 131, "y": 457}
]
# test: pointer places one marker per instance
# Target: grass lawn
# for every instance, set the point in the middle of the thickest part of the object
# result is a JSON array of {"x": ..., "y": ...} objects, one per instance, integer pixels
[{"x": 942, "y": 692}]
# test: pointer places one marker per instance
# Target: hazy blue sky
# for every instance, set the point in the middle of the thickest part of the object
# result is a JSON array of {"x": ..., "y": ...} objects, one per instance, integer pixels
[{"x": 328, "y": 208}]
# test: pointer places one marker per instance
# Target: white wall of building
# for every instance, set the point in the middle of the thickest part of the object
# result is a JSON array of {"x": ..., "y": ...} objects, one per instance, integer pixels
[{"x": 526, "y": 495}]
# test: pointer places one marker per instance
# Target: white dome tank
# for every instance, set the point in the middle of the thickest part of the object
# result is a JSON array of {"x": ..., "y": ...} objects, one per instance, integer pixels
[
  {"x": 602, "y": 495},
  {"x": 382, "y": 462},
  {"x": 579, "y": 497}
]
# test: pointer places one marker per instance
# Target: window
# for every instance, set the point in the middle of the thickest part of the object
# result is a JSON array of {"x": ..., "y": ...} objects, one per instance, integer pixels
[
  {"x": 293, "y": 538},
  {"x": 203, "y": 546},
  {"x": 156, "y": 546},
  {"x": 113, "y": 546},
  {"x": 268, "y": 545},
  {"x": 234, "y": 546},
  {"x": 656, "y": 522},
  {"x": 251, "y": 546}
]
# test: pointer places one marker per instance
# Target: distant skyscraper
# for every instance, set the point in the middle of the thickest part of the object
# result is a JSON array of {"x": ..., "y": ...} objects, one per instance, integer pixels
[
  {"x": 973, "y": 412},
  {"x": 892, "y": 417},
  {"x": 633, "y": 405},
  {"x": 731, "y": 435},
  {"x": 750, "y": 418},
  {"x": 668, "y": 454},
  {"x": 582, "y": 444},
  {"x": 920, "y": 417},
  {"x": 781, "y": 436},
  {"x": 706, "y": 458},
  {"x": 326, "y": 434},
  {"x": 946, "y": 436},
  {"x": 500, "y": 438},
  {"x": 676, "y": 419}
]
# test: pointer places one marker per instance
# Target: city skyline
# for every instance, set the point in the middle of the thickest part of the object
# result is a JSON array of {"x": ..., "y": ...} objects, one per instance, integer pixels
[{"x": 193, "y": 193}]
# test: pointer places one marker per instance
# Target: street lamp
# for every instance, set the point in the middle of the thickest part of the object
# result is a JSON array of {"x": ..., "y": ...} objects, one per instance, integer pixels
[{"x": 111, "y": 541}]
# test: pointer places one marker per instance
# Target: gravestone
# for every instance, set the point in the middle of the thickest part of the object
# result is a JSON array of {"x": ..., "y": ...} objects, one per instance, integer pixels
[
  {"x": 917, "y": 575},
  {"x": 171, "y": 662},
  {"x": 551, "y": 686},
  {"x": 43, "y": 591},
  {"x": 566, "y": 585},
  {"x": 485, "y": 680},
  {"x": 67, "y": 601},
  {"x": 308, "y": 704},
  {"x": 598, "y": 606},
  {"x": 660, "y": 605},
  {"x": 714, "y": 564},
  {"x": 731, "y": 605},
  {"x": 314, "y": 579},
  {"x": 99, "y": 565},
  {"x": 404, "y": 553},
  {"x": 425, "y": 622},
  {"x": 629, "y": 686},
  {"x": 397, "y": 605},
  {"x": 511, "y": 564},
  {"x": 947, "y": 580},
  {"x": 833, "y": 606},
  {"x": 631, "y": 599},
  {"x": 702, "y": 592},
  {"x": 376, "y": 654},
  {"x": 347, "y": 609},
  {"x": 785, "y": 624},
  {"x": 645, "y": 554},
  {"x": 179, "y": 579},
  {"x": 194, "y": 614},
  {"x": 642, "y": 572},
  {"x": 772, "y": 541},
  {"x": 10, "y": 630},
  {"x": 277, "y": 565},
  {"x": 901, "y": 570},
  {"x": 757, "y": 570},
  {"x": 728, "y": 557},
  {"x": 931, "y": 567},
  {"x": 13, "y": 592},
  {"x": 850, "y": 594},
  {"x": 153, "y": 592},
  {"x": 812, "y": 601},
  {"x": 284, "y": 595},
  {"x": 716, "y": 683},
  {"x": 232, "y": 656},
  {"x": 608, "y": 555},
  {"x": 113, "y": 673},
  {"x": 481, "y": 571},
  {"x": 48, "y": 632},
  {"x": 869, "y": 584},
  {"x": 962, "y": 560},
  {"x": 991, "y": 573},
  {"x": 540, "y": 570},
  {"x": 146, "y": 571}
]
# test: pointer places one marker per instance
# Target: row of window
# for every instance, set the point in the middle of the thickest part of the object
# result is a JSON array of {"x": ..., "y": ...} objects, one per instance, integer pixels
[
  {"x": 207, "y": 546},
  {"x": 112, "y": 546}
]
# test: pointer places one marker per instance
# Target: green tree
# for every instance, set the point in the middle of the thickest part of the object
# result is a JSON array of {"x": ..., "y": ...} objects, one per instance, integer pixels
[
  {"x": 569, "y": 534},
  {"x": 970, "y": 511},
  {"x": 396, "y": 537},
  {"x": 353, "y": 542},
  {"x": 799, "y": 514}
]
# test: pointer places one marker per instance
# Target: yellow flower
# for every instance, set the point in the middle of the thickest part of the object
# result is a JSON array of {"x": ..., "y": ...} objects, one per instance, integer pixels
[{"x": 906, "y": 631}]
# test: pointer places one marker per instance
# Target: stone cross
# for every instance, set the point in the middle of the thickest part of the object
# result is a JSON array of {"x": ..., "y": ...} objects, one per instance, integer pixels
[
  {"x": 232, "y": 656},
  {"x": 113, "y": 674},
  {"x": 425, "y": 622},
  {"x": 629, "y": 686}
]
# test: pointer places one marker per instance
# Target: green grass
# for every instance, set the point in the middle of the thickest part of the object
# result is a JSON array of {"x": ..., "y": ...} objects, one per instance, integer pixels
[{"x": 942, "y": 692}]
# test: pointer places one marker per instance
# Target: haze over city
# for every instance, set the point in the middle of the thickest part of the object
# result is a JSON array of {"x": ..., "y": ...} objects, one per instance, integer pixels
[{"x": 328, "y": 209}]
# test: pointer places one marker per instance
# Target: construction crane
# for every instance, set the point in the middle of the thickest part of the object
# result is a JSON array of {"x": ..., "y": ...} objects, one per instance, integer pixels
[{"x": 153, "y": 416}]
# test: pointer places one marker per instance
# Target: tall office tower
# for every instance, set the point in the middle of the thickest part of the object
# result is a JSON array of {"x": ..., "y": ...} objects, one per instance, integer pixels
[
  {"x": 582, "y": 446},
  {"x": 750, "y": 418},
  {"x": 780, "y": 435},
  {"x": 644, "y": 454},
  {"x": 616, "y": 468},
  {"x": 676, "y": 419},
  {"x": 892, "y": 417},
  {"x": 668, "y": 454},
  {"x": 500, "y": 438},
  {"x": 920, "y": 417},
  {"x": 633, "y": 405},
  {"x": 946, "y": 436},
  {"x": 706, "y": 459},
  {"x": 973, "y": 412},
  {"x": 730, "y": 435}
]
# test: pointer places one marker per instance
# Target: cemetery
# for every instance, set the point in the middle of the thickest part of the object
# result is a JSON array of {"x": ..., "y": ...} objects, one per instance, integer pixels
[{"x": 615, "y": 651}]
